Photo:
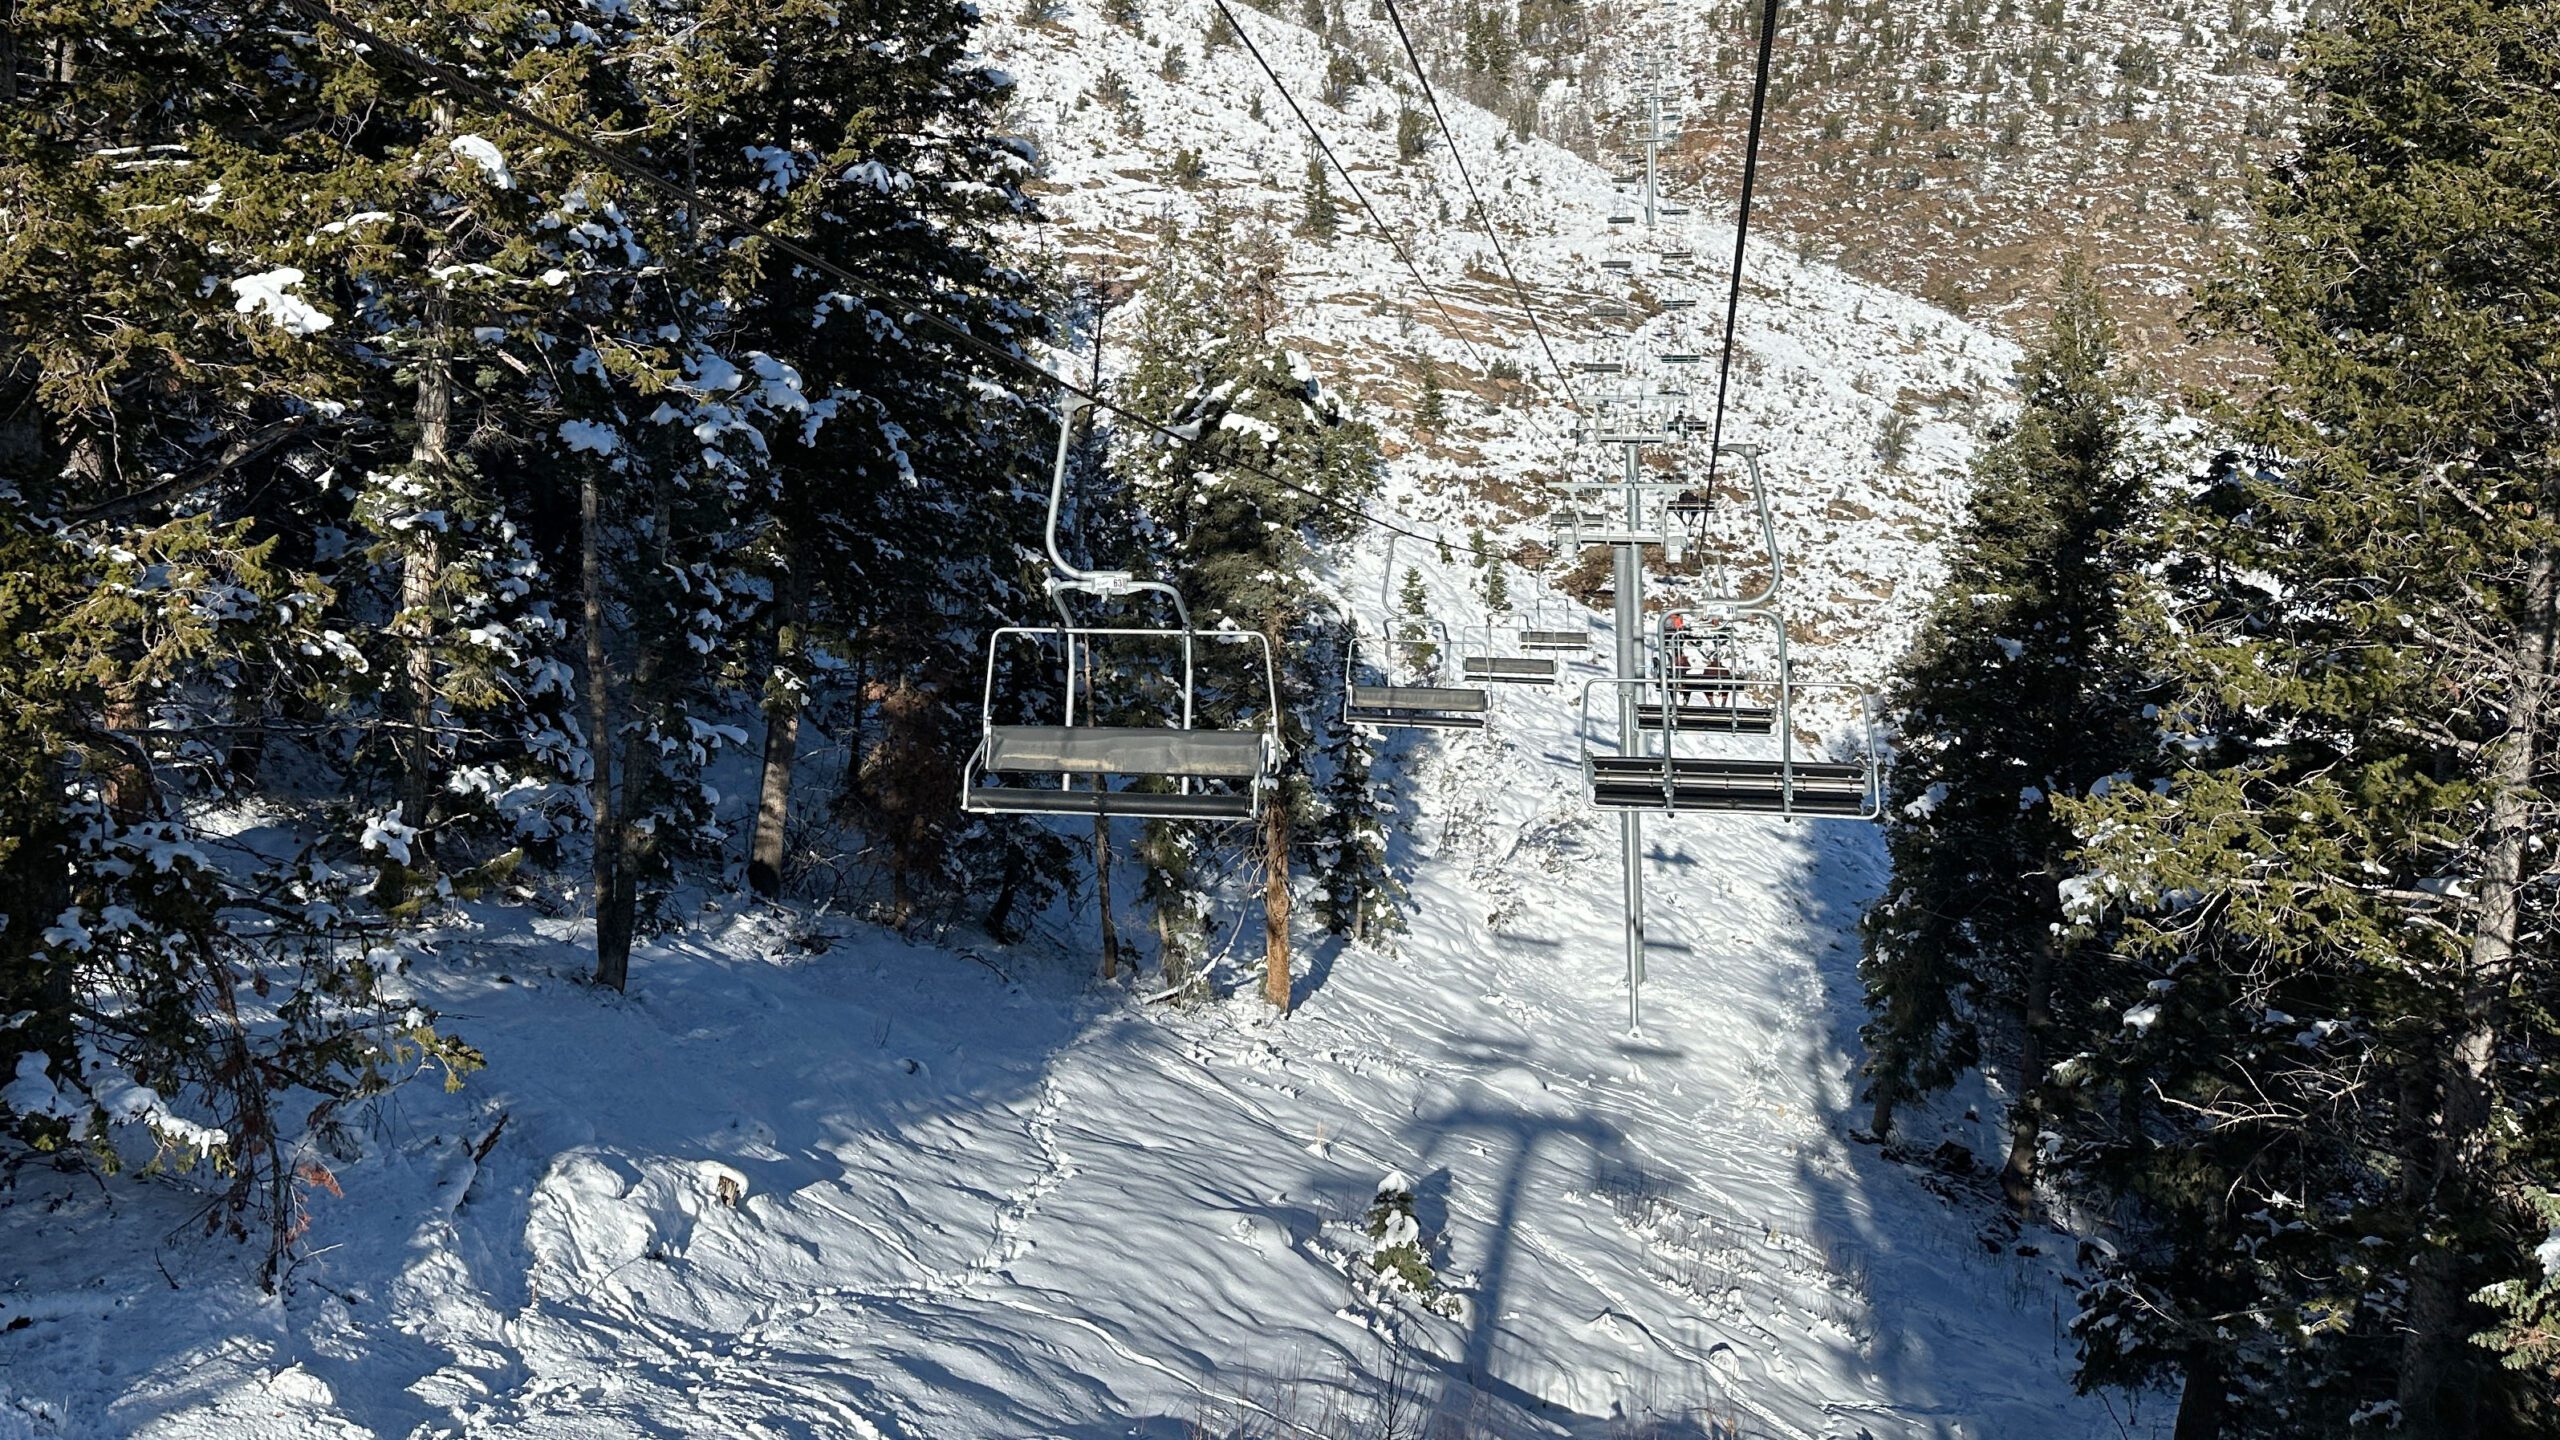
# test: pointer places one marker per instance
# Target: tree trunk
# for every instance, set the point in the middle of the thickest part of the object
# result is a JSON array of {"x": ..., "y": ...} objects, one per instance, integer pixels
[
  {"x": 2437, "y": 1395},
  {"x": 2026, "y": 1116},
  {"x": 1000, "y": 914},
  {"x": 129, "y": 785},
  {"x": 619, "y": 918},
  {"x": 2200, "y": 1402},
  {"x": 1880, "y": 1125},
  {"x": 1275, "y": 903},
  {"x": 35, "y": 880},
  {"x": 613, "y": 952},
  {"x": 781, "y": 733},
  {"x": 431, "y": 466},
  {"x": 1102, "y": 896}
]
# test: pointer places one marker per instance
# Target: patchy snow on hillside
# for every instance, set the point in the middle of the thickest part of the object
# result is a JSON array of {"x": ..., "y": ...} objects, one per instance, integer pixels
[{"x": 1823, "y": 361}]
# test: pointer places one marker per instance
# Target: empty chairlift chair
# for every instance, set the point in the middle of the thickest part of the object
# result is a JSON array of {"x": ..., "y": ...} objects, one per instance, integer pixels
[
  {"x": 1419, "y": 705},
  {"x": 1481, "y": 664},
  {"x": 1545, "y": 633},
  {"x": 1048, "y": 756}
]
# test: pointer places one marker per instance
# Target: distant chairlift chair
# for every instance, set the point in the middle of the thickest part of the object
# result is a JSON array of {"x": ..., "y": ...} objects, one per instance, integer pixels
[
  {"x": 1179, "y": 770},
  {"x": 1653, "y": 762},
  {"x": 1545, "y": 633}
]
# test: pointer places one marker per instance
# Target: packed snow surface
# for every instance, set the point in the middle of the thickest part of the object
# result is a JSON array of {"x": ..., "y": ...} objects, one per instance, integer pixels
[{"x": 808, "y": 1179}]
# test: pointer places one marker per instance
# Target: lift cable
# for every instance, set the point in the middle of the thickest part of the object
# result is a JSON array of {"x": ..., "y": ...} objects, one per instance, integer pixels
[
  {"x": 1742, "y": 225},
  {"x": 444, "y": 75},
  {"x": 1484, "y": 219},
  {"x": 1236, "y": 24}
]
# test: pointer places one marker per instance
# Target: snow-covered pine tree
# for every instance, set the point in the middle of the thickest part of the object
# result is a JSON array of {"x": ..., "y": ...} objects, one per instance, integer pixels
[
  {"x": 177, "y": 187},
  {"x": 1274, "y": 462},
  {"x": 903, "y": 491},
  {"x": 443, "y": 274},
  {"x": 2343, "y": 894},
  {"x": 1357, "y": 893},
  {"x": 2025, "y": 683}
]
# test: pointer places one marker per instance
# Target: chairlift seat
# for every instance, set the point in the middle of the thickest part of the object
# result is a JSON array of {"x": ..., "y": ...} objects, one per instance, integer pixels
[
  {"x": 1710, "y": 719},
  {"x": 1435, "y": 707},
  {"x": 1052, "y": 800},
  {"x": 1126, "y": 750},
  {"x": 1509, "y": 669},
  {"x": 1617, "y": 264},
  {"x": 1575, "y": 640},
  {"x": 1761, "y": 787}
]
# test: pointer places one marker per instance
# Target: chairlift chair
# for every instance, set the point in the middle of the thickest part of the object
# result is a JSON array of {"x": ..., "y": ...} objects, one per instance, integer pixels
[
  {"x": 1480, "y": 662},
  {"x": 1679, "y": 304},
  {"x": 1686, "y": 738},
  {"x": 1065, "y": 763},
  {"x": 1670, "y": 761},
  {"x": 1389, "y": 705},
  {"x": 1542, "y": 633},
  {"x": 1695, "y": 666},
  {"x": 1417, "y": 702},
  {"x": 1618, "y": 265}
]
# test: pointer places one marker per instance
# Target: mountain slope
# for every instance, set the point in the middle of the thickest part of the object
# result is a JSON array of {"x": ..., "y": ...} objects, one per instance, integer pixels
[{"x": 809, "y": 1179}]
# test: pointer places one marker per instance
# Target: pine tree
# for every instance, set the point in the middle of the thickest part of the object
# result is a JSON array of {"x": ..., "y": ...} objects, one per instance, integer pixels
[
  {"x": 1412, "y": 140},
  {"x": 1413, "y": 604},
  {"x": 1431, "y": 407},
  {"x": 1239, "y": 542},
  {"x": 2339, "y": 895},
  {"x": 2023, "y": 686},
  {"x": 1323, "y": 219},
  {"x": 1357, "y": 893},
  {"x": 1497, "y": 589}
]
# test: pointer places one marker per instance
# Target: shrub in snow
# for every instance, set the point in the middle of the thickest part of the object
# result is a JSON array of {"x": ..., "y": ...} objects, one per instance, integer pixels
[{"x": 1397, "y": 1257}]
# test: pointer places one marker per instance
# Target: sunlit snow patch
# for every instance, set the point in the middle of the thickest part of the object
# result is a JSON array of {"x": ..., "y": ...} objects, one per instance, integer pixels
[
  {"x": 480, "y": 152},
  {"x": 268, "y": 297}
]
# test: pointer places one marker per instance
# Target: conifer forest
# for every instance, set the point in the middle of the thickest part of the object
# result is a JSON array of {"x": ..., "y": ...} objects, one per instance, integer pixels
[{"x": 1244, "y": 719}]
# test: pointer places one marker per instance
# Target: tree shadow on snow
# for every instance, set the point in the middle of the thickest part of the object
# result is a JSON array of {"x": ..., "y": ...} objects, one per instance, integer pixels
[
  {"x": 827, "y": 1083},
  {"x": 1899, "y": 1252}
]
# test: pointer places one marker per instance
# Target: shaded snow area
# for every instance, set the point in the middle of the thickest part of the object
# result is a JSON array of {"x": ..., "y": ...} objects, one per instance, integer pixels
[{"x": 818, "y": 1182}]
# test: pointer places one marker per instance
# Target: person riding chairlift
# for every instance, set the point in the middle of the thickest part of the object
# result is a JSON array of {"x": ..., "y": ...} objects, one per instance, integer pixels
[{"x": 1694, "y": 670}]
